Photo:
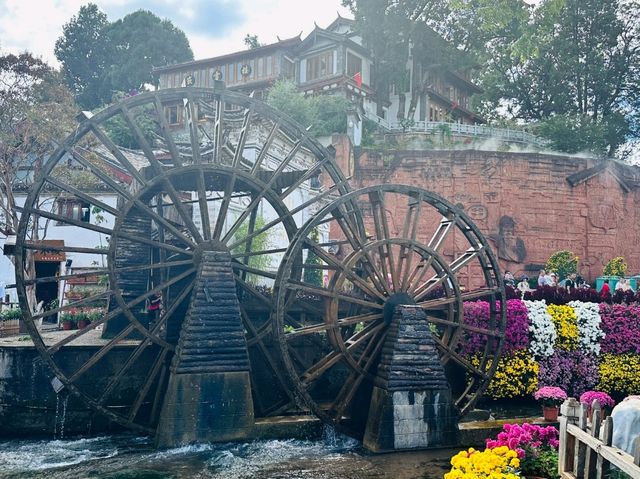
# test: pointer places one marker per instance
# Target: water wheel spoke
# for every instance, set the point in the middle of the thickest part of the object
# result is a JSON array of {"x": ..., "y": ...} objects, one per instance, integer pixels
[
  {"x": 416, "y": 280},
  {"x": 463, "y": 260},
  {"x": 265, "y": 148},
  {"x": 203, "y": 205},
  {"x": 146, "y": 342},
  {"x": 118, "y": 155},
  {"x": 125, "y": 194},
  {"x": 83, "y": 196},
  {"x": 101, "y": 352},
  {"x": 76, "y": 304},
  {"x": 218, "y": 130},
  {"x": 465, "y": 326},
  {"x": 249, "y": 237},
  {"x": 182, "y": 212},
  {"x": 350, "y": 275},
  {"x": 410, "y": 231},
  {"x": 293, "y": 284},
  {"x": 441, "y": 233},
  {"x": 349, "y": 389},
  {"x": 166, "y": 131},
  {"x": 275, "y": 367},
  {"x": 440, "y": 303},
  {"x": 256, "y": 271},
  {"x": 351, "y": 234},
  {"x": 320, "y": 367},
  {"x": 63, "y": 249},
  {"x": 381, "y": 225},
  {"x": 159, "y": 170},
  {"x": 260, "y": 196},
  {"x": 460, "y": 360},
  {"x": 135, "y": 408},
  {"x": 258, "y": 253}
]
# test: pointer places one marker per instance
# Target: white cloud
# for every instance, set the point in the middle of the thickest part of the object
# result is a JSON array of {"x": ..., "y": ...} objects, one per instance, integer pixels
[{"x": 34, "y": 25}]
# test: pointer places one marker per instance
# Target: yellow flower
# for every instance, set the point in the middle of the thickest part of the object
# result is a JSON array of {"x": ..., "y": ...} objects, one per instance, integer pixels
[
  {"x": 515, "y": 376},
  {"x": 566, "y": 322},
  {"x": 498, "y": 463}
]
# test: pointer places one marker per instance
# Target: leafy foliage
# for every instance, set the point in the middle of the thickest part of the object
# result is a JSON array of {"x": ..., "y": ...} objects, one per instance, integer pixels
[
  {"x": 566, "y": 67},
  {"x": 99, "y": 58},
  {"x": 326, "y": 114},
  {"x": 563, "y": 263},
  {"x": 615, "y": 267}
]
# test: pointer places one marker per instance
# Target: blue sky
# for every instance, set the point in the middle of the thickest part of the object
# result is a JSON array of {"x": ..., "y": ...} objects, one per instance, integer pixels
[{"x": 214, "y": 27}]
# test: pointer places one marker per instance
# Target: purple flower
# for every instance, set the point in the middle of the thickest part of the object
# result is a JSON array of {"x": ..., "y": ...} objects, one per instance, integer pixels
[
  {"x": 573, "y": 371},
  {"x": 621, "y": 326},
  {"x": 476, "y": 313},
  {"x": 550, "y": 395},
  {"x": 603, "y": 398}
]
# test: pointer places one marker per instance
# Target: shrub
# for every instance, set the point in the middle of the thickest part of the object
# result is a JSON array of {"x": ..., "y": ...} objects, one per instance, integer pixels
[
  {"x": 619, "y": 374},
  {"x": 498, "y": 463},
  {"x": 476, "y": 313},
  {"x": 563, "y": 263},
  {"x": 515, "y": 376},
  {"x": 573, "y": 371},
  {"x": 615, "y": 267},
  {"x": 621, "y": 328},
  {"x": 566, "y": 322}
]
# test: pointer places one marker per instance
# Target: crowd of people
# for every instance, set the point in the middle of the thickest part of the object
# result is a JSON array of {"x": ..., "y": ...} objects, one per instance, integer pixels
[{"x": 574, "y": 280}]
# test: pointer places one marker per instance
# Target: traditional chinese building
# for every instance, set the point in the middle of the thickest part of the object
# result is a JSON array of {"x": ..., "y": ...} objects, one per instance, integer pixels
[{"x": 329, "y": 60}]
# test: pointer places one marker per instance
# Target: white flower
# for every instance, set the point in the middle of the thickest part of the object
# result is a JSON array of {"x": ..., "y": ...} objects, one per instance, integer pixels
[
  {"x": 589, "y": 331},
  {"x": 541, "y": 329}
]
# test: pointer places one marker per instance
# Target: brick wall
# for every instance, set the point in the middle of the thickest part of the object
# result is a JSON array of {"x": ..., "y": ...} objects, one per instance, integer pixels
[{"x": 528, "y": 204}]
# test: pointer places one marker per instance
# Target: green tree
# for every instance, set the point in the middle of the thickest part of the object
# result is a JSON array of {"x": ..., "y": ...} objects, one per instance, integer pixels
[
  {"x": 83, "y": 52},
  {"x": 100, "y": 58},
  {"x": 563, "y": 263},
  {"x": 564, "y": 66},
  {"x": 140, "y": 41},
  {"x": 36, "y": 112},
  {"x": 326, "y": 114}
]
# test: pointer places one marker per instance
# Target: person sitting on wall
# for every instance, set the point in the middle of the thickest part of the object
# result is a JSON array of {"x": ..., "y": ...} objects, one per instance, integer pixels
[
  {"x": 542, "y": 278},
  {"x": 523, "y": 285},
  {"x": 509, "y": 279},
  {"x": 623, "y": 285},
  {"x": 569, "y": 282}
]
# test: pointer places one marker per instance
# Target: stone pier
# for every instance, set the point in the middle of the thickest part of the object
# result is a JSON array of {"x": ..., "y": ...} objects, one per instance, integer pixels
[
  {"x": 208, "y": 397},
  {"x": 411, "y": 404}
]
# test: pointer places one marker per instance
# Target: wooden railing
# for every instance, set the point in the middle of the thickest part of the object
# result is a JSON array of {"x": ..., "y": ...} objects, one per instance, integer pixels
[
  {"x": 585, "y": 445},
  {"x": 460, "y": 129}
]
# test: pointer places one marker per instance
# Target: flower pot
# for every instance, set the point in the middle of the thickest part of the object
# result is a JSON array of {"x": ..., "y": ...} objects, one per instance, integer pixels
[
  {"x": 550, "y": 413},
  {"x": 83, "y": 323},
  {"x": 67, "y": 325}
]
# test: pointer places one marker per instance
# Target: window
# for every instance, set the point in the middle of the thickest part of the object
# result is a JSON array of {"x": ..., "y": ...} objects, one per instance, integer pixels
[
  {"x": 288, "y": 68},
  {"x": 354, "y": 65},
  {"x": 320, "y": 66},
  {"x": 74, "y": 209},
  {"x": 173, "y": 114}
]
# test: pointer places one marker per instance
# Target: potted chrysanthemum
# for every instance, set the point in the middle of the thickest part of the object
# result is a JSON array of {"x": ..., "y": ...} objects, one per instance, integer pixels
[
  {"x": 551, "y": 397},
  {"x": 606, "y": 402}
]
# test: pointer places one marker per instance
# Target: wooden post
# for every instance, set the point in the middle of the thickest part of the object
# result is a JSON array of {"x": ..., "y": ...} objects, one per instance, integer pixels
[
  {"x": 580, "y": 448},
  {"x": 636, "y": 451},
  {"x": 592, "y": 454},
  {"x": 569, "y": 415},
  {"x": 602, "y": 465}
]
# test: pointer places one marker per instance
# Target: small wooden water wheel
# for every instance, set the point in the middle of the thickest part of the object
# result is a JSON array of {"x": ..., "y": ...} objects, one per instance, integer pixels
[
  {"x": 234, "y": 175},
  {"x": 376, "y": 248}
]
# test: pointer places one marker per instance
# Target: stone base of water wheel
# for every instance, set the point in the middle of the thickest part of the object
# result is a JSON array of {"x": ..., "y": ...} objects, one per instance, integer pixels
[
  {"x": 208, "y": 397},
  {"x": 411, "y": 405}
]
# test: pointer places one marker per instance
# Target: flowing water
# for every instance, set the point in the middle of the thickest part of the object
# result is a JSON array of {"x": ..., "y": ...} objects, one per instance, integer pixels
[{"x": 130, "y": 457}]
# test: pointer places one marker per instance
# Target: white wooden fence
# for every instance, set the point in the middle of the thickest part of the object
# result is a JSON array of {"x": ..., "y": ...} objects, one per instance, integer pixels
[{"x": 585, "y": 445}]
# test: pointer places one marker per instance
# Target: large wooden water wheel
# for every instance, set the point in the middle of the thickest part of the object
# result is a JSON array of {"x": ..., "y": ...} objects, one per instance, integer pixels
[
  {"x": 235, "y": 175},
  {"x": 318, "y": 269},
  {"x": 399, "y": 245}
]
